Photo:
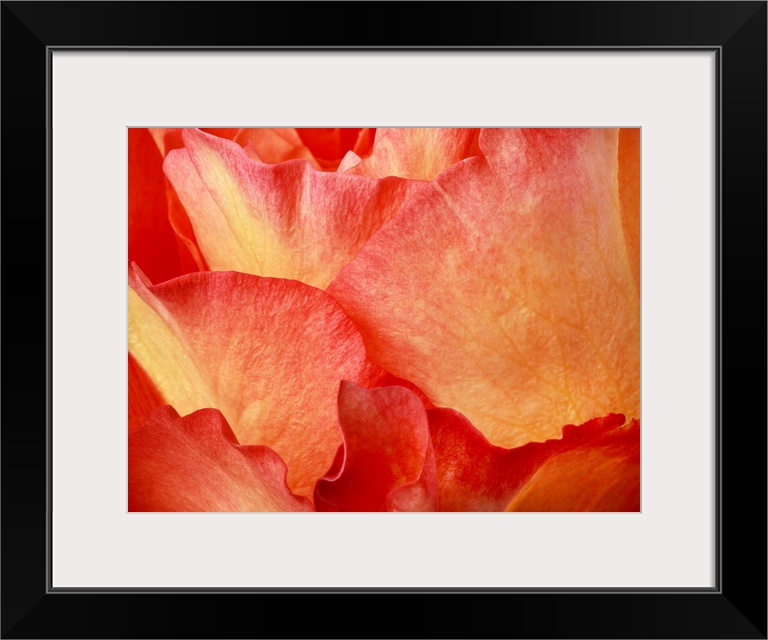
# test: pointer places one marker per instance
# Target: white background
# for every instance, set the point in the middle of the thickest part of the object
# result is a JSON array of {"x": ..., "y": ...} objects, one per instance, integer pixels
[{"x": 97, "y": 95}]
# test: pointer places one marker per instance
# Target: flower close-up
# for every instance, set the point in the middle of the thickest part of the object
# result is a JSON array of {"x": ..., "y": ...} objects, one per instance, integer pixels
[{"x": 384, "y": 319}]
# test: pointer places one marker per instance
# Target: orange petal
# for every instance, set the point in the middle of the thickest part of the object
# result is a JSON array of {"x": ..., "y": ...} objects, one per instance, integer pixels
[
  {"x": 143, "y": 396},
  {"x": 629, "y": 193},
  {"x": 417, "y": 154},
  {"x": 285, "y": 220},
  {"x": 503, "y": 289},
  {"x": 602, "y": 474},
  {"x": 385, "y": 442},
  {"x": 196, "y": 464},
  {"x": 474, "y": 475},
  {"x": 275, "y": 145},
  {"x": 268, "y": 353}
]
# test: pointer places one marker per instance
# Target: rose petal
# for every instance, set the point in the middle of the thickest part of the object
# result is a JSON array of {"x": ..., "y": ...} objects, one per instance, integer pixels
[
  {"x": 166, "y": 208},
  {"x": 143, "y": 396},
  {"x": 168, "y": 139},
  {"x": 386, "y": 438},
  {"x": 329, "y": 146},
  {"x": 285, "y": 220},
  {"x": 417, "y": 154},
  {"x": 177, "y": 215},
  {"x": 268, "y": 353},
  {"x": 362, "y": 149},
  {"x": 275, "y": 145},
  {"x": 600, "y": 475},
  {"x": 398, "y": 457},
  {"x": 151, "y": 240},
  {"x": 195, "y": 463},
  {"x": 350, "y": 160},
  {"x": 474, "y": 475},
  {"x": 161, "y": 134},
  {"x": 629, "y": 193},
  {"x": 419, "y": 495},
  {"x": 364, "y": 144},
  {"x": 503, "y": 289}
]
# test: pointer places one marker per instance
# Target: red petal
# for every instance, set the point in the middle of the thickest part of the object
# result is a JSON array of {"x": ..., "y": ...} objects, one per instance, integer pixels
[
  {"x": 151, "y": 240},
  {"x": 167, "y": 140},
  {"x": 196, "y": 464},
  {"x": 503, "y": 289},
  {"x": 386, "y": 438},
  {"x": 164, "y": 219},
  {"x": 268, "y": 353},
  {"x": 472, "y": 474},
  {"x": 143, "y": 396},
  {"x": 417, "y": 154},
  {"x": 329, "y": 146},
  {"x": 364, "y": 144},
  {"x": 285, "y": 220},
  {"x": 228, "y": 133}
]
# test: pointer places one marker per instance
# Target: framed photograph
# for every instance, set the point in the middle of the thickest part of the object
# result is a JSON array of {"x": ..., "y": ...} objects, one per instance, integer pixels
[{"x": 392, "y": 304}]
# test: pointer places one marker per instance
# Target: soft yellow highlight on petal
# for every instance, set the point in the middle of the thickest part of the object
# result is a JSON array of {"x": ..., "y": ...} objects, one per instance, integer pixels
[
  {"x": 284, "y": 221},
  {"x": 164, "y": 358},
  {"x": 415, "y": 154}
]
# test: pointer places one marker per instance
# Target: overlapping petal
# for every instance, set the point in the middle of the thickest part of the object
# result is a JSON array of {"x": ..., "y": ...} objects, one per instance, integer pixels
[
  {"x": 601, "y": 473},
  {"x": 285, "y": 220},
  {"x": 151, "y": 238},
  {"x": 268, "y": 145},
  {"x": 143, "y": 395},
  {"x": 322, "y": 148},
  {"x": 386, "y": 438},
  {"x": 416, "y": 154},
  {"x": 168, "y": 139},
  {"x": 330, "y": 146},
  {"x": 505, "y": 290},
  {"x": 195, "y": 463},
  {"x": 268, "y": 353},
  {"x": 474, "y": 475},
  {"x": 274, "y": 145},
  {"x": 165, "y": 211},
  {"x": 399, "y": 456}
]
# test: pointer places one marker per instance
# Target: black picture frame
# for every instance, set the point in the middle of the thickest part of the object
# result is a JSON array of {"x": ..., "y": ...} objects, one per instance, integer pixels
[{"x": 736, "y": 608}]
